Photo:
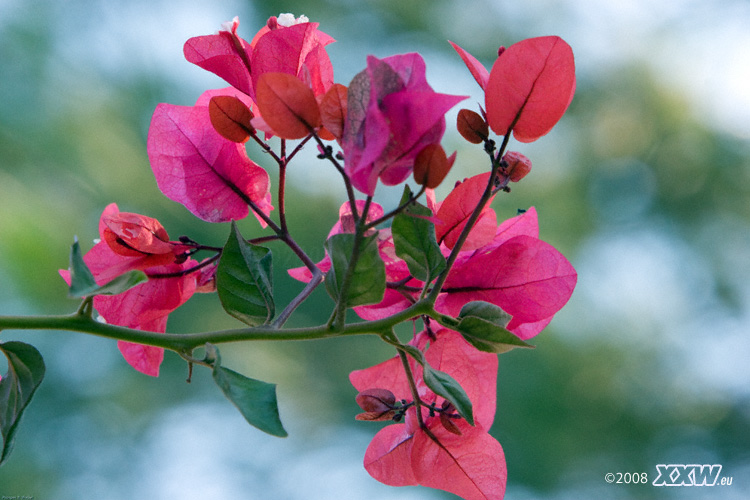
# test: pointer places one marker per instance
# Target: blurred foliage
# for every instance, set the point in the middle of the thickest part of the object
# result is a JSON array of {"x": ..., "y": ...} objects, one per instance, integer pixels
[{"x": 595, "y": 396}]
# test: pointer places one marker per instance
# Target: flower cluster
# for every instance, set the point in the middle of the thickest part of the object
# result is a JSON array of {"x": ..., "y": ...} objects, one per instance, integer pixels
[
  {"x": 435, "y": 447},
  {"x": 490, "y": 286}
]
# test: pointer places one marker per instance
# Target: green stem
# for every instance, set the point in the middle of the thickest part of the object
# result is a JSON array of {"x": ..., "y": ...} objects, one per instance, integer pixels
[{"x": 189, "y": 341}]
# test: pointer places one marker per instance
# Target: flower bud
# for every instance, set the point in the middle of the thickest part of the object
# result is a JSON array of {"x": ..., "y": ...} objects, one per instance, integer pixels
[
  {"x": 518, "y": 165},
  {"x": 135, "y": 235},
  {"x": 446, "y": 418},
  {"x": 432, "y": 165},
  {"x": 379, "y": 404},
  {"x": 472, "y": 126}
]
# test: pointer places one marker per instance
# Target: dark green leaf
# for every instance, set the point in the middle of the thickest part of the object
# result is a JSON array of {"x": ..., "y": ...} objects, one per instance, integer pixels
[
  {"x": 446, "y": 386},
  {"x": 483, "y": 325},
  {"x": 486, "y": 311},
  {"x": 82, "y": 283},
  {"x": 255, "y": 399},
  {"x": 415, "y": 242},
  {"x": 25, "y": 373},
  {"x": 367, "y": 282},
  {"x": 244, "y": 280}
]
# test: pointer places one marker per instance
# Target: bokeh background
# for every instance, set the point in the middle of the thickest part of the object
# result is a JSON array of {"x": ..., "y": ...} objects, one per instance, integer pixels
[{"x": 644, "y": 185}]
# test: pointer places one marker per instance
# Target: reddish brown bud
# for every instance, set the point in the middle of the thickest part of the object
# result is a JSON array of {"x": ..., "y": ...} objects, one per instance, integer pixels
[
  {"x": 432, "y": 165},
  {"x": 206, "y": 279},
  {"x": 287, "y": 105},
  {"x": 333, "y": 106},
  {"x": 518, "y": 165},
  {"x": 472, "y": 126},
  {"x": 231, "y": 118},
  {"x": 379, "y": 404},
  {"x": 446, "y": 419}
]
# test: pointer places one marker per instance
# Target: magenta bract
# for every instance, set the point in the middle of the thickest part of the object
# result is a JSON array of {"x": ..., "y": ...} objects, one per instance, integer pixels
[
  {"x": 392, "y": 115},
  {"x": 297, "y": 50},
  {"x": 224, "y": 54},
  {"x": 528, "y": 278},
  {"x": 196, "y": 166}
]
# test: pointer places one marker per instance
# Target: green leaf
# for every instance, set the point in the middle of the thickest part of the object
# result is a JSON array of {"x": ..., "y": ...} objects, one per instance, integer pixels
[
  {"x": 415, "y": 241},
  {"x": 25, "y": 373},
  {"x": 446, "y": 386},
  {"x": 485, "y": 310},
  {"x": 367, "y": 282},
  {"x": 81, "y": 279},
  {"x": 82, "y": 283},
  {"x": 483, "y": 325},
  {"x": 244, "y": 280},
  {"x": 255, "y": 399}
]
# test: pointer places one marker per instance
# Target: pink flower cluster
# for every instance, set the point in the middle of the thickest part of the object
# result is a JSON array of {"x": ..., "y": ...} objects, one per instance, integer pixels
[{"x": 388, "y": 123}]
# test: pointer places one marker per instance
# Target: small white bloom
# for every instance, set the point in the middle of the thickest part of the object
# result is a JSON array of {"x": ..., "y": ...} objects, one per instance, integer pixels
[
  {"x": 231, "y": 26},
  {"x": 288, "y": 19}
]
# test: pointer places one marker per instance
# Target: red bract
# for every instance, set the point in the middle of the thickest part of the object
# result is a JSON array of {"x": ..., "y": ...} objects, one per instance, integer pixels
[
  {"x": 392, "y": 114},
  {"x": 284, "y": 45},
  {"x": 146, "y": 306},
  {"x": 453, "y": 214},
  {"x": 528, "y": 278},
  {"x": 478, "y": 71},
  {"x": 472, "y": 464},
  {"x": 225, "y": 54},
  {"x": 135, "y": 235},
  {"x": 196, "y": 166},
  {"x": 531, "y": 85},
  {"x": 297, "y": 50},
  {"x": 288, "y": 105}
]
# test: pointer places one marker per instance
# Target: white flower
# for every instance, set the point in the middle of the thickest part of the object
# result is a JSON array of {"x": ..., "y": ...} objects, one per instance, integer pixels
[
  {"x": 288, "y": 19},
  {"x": 231, "y": 26}
]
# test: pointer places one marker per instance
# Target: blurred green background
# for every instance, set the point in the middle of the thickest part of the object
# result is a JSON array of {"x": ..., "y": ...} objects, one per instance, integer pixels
[{"x": 644, "y": 185}]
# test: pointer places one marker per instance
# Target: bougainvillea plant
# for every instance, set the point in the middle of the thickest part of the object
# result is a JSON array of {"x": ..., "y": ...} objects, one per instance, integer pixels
[{"x": 473, "y": 287}]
